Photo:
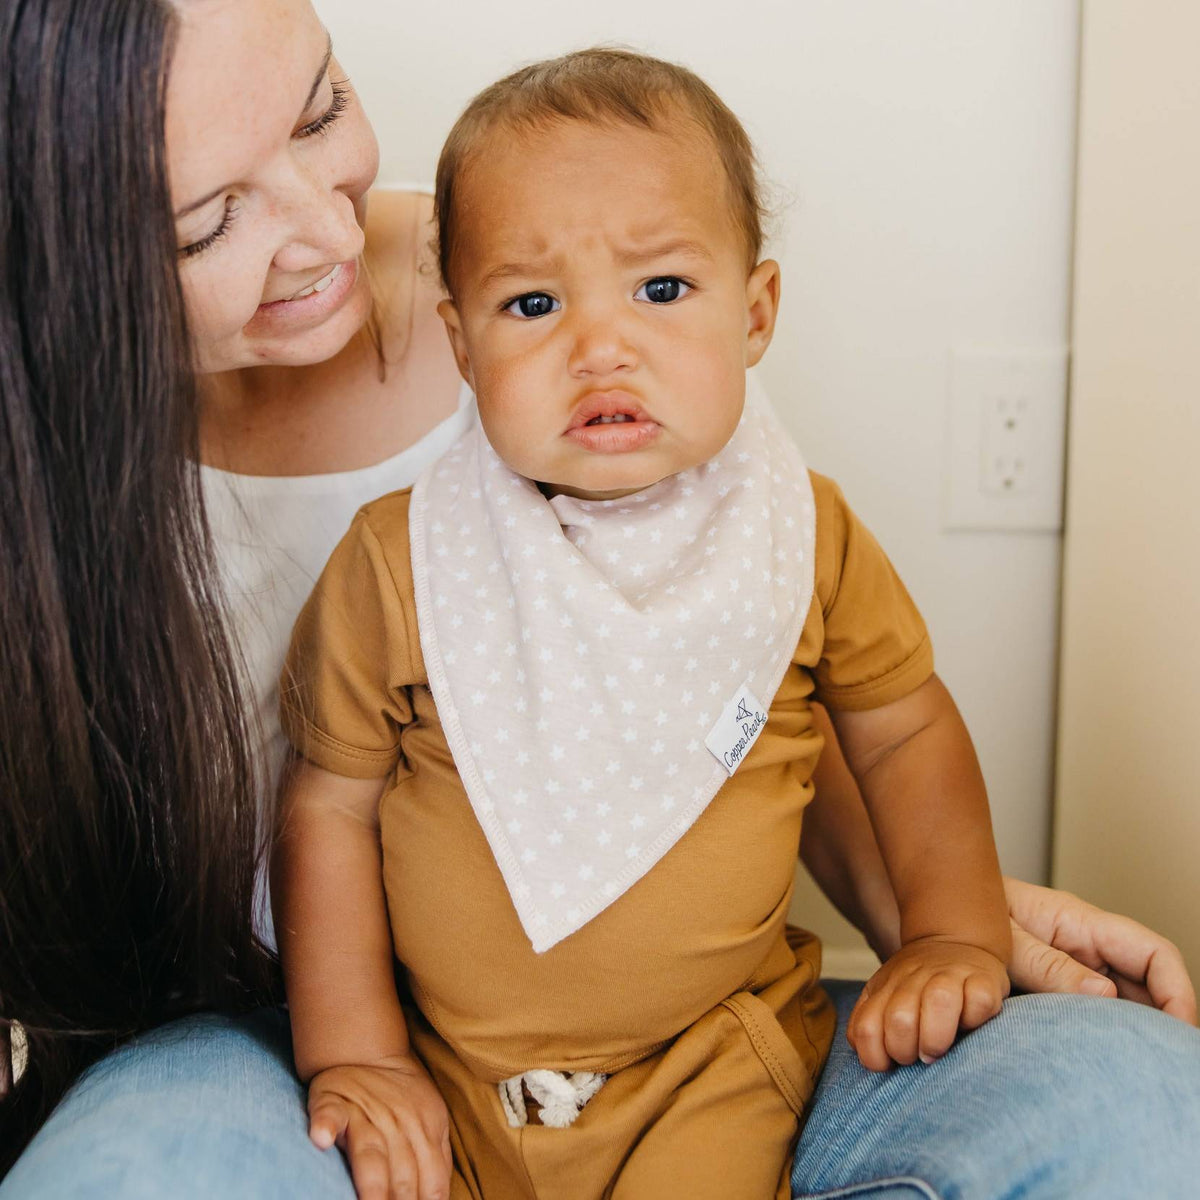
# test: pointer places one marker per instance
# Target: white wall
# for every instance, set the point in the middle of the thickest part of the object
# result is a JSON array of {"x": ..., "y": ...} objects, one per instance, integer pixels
[{"x": 925, "y": 148}]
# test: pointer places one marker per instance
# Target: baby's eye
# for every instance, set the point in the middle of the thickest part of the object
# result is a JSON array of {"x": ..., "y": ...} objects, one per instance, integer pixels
[
  {"x": 532, "y": 304},
  {"x": 663, "y": 290}
]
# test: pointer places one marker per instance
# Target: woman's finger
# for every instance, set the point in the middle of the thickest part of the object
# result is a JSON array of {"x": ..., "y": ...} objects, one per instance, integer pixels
[
  {"x": 1141, "y": 955},
  {"x": 1132, "y": 989},
  {"x": 1035, "y": 966},
  {"x": 1117, "y": 944}
]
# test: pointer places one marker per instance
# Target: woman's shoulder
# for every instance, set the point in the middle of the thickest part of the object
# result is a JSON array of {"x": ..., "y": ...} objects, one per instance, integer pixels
[
  {"x": 402, "y": 262},
  {"x": 397, "y": 220},
  {"x": 407, "y": 331}
]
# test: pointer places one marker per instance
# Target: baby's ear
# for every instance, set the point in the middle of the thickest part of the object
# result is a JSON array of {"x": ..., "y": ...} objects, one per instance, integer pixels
[
  {"x": 762, "y": 307},
  {"x": 448, "y": 311}
]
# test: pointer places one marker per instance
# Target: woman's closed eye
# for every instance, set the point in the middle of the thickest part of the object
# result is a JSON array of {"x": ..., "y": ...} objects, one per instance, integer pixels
[
  {"x": 337, "y": 106},
  {"x": 532, "y": 305},
  {"x": 663, "y": 289},
  {"x": 217, "y": 234}
]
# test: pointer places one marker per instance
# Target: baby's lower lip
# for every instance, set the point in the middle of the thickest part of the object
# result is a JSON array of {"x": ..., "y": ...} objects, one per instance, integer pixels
[{"x": 617, "y": 438}]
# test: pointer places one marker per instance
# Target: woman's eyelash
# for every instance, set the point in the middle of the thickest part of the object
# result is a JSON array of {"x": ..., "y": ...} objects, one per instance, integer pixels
[
  {"x": 217, "y": 234},
  {"x": 337, "y": 106}
]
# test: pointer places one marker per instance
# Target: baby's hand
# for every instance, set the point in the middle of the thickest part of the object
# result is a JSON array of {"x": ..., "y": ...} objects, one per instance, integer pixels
[
  {"x": 916, "y": 1003},
  {"x": 390, "y": 1121}
]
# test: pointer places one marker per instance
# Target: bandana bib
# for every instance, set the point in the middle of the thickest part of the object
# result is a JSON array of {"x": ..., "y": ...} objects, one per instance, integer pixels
[{"x": 600, "y": 668}]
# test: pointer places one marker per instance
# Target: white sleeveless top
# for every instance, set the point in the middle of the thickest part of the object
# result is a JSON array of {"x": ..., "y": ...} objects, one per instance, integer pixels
[{"x": 273, "y": 535}]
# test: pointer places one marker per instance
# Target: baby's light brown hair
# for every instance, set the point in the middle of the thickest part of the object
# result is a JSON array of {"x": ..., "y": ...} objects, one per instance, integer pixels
[{"x": 600, "y": 85}]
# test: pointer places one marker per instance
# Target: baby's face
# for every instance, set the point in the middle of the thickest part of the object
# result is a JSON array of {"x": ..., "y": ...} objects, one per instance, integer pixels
[{"x": 604, "y": 313}]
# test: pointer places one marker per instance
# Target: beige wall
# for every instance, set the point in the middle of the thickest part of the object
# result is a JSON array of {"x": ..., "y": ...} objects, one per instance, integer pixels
[{"x": 1127, "y": 831}]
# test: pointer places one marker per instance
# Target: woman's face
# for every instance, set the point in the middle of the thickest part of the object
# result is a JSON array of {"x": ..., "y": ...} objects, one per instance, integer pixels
[{"x": 270, "y": 158}]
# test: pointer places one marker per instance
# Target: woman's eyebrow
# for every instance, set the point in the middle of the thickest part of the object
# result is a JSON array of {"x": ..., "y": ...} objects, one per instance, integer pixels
[{"x": 312, "y": 93}]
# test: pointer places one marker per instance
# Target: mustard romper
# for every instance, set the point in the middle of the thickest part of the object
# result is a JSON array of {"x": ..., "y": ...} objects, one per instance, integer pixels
[{"x": 689, "y": 990}]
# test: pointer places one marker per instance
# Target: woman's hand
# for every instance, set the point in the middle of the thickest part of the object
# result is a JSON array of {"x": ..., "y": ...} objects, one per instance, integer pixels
[
  {"x": 1063, "y": 944},
  {"x": 390, "y": 1121}
]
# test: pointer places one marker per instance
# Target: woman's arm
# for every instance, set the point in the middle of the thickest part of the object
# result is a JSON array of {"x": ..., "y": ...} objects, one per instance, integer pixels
[{"x": 1060, "y": 943}]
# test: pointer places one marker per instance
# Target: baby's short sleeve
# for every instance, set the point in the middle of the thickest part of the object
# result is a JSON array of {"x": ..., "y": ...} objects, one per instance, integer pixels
[
  {"x": 876, "y": 648},
  {"x": 343, "y": 694}
]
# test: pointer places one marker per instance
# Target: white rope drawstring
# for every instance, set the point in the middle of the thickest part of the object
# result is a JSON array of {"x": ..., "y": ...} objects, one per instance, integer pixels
[{"x": 561, "y": 1096}]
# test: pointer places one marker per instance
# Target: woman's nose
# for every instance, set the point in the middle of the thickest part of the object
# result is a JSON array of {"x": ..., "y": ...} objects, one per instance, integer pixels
[
  {"x": 321, "y": 227},
  {"x": 601, "y": 347}
]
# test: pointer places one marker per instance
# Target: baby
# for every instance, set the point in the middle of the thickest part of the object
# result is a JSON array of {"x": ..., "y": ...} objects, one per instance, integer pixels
[{"x": 553, "y": 706}]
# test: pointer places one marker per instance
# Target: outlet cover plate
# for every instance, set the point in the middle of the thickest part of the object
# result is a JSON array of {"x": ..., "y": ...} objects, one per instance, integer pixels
[{"x": 1006, "y": 439}]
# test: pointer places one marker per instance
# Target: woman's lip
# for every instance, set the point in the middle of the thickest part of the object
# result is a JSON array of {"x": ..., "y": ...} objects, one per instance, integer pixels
[
  {"x": 309, "y": 310},
  {"x": 620, "y": 437}
]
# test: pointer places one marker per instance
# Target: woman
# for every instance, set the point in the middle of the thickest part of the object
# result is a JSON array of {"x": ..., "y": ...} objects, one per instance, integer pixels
[{"x": 191, "y": 275}]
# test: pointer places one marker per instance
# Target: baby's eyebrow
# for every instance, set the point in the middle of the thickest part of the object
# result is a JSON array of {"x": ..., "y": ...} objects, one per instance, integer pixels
[
  {"x": 677, "y": 246},
  {"x": 683, "y": 247},
  {"x": 515, "y": 270}
]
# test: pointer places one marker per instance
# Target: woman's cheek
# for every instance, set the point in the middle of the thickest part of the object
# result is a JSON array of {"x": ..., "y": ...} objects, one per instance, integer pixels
[
  {"x": 362, "y": 162},
  {"x": 220, "y": 299}
]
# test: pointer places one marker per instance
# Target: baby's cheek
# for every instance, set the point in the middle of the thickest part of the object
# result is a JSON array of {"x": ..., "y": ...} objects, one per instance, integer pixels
[{"x": 514, "y": 426}]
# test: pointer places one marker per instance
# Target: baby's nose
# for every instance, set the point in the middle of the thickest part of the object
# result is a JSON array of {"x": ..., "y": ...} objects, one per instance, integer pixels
[{"x": 601, "y": 348}]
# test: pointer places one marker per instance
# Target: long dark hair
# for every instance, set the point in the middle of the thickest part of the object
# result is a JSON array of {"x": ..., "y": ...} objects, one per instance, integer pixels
[{"x": 128, "y": 831}]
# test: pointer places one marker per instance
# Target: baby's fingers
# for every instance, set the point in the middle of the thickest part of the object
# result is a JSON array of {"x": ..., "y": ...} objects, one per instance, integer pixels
[
  {"x": 328, "y": 1117},
  {"x": 902, "y": 1020},
  {"x": 865, "y": 1032},
  {"x": 431, "y": 1159},
  {"x": 941, "y": 1008},
  {"x": 982, "y": 998},
  {"x": 370, "y": 1168}
]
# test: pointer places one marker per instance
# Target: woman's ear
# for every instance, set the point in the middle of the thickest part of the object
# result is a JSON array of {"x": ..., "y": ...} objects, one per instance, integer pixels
[
  {"x": 762, "y": 306},
  {"x": 448, "y": 311}
]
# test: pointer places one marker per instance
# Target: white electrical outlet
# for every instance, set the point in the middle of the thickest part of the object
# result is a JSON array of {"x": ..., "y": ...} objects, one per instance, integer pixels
[{"x": 1006, "y": 439}]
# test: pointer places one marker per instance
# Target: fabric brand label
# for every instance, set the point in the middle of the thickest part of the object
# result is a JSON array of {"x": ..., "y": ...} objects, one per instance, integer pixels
[{"x": 737, "y": 729}]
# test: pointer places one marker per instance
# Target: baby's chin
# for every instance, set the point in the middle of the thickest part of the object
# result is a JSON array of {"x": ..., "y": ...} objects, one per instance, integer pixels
[
  {"x": 551, "y": 490},
  {"x": 607, "y": 480}
]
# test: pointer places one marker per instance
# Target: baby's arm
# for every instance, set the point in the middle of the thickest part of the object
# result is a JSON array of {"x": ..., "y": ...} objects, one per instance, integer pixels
[
  {"x": 921, "y": 782},
  {"x": 367, "y": 1091}
]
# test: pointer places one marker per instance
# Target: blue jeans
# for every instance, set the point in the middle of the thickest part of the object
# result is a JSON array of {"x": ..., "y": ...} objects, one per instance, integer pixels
[{"x": 1057, "y": 1097}]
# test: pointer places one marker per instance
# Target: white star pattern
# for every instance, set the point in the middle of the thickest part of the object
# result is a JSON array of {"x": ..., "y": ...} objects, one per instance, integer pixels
[{"x": 588, "y": 679}]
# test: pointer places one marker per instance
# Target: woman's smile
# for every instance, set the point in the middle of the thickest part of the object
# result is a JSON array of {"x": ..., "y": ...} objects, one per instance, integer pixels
[{"x": 308, "y": 307}]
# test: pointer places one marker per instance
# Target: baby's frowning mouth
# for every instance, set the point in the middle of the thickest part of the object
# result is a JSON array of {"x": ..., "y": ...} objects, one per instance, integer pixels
[
  {"x": 611, "y": 423},
  {"x": 606, "y": 408},
  {"x": 611, "y": 420}
]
